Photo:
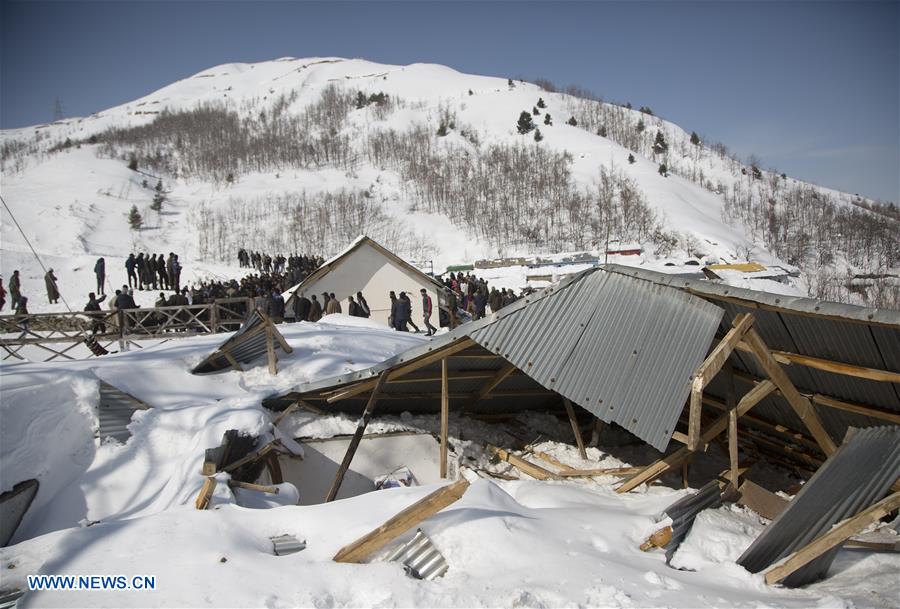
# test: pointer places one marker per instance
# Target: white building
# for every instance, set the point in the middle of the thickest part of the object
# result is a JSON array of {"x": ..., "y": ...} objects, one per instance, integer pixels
[{"x": 367, "y": 267}]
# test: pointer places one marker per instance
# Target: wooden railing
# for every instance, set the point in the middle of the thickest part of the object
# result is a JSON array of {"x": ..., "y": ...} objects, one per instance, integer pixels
[{"x": 44, "y": 329}]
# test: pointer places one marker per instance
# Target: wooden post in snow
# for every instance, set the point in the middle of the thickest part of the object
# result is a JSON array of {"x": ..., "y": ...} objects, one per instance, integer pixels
[
  {"x": 445, "y": 414},
  {"x": 357, "y": 438}
]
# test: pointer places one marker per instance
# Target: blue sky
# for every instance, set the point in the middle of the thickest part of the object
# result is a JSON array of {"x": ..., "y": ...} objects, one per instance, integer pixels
[{"x": 812, "y": 88}]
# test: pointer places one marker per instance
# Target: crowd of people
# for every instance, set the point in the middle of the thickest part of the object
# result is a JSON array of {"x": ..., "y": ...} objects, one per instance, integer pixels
[{"x": 294, "y": 267}]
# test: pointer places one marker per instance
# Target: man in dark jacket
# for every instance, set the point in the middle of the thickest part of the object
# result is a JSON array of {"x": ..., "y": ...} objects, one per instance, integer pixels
[
  {"x": 14, "y": 290},
  {"x": 52, "y": 289},
  {"x": 363, "y": 305},
  {"x": 93, "y": 306},
  {"x": 302, "y": 306},
  {"x": 404, "y": 312},
  {"x": 426, "y": 312},
  {"x": 480, "y": 303},
  {"x": 353, "y": 308},
  {"x": 130, "y": 264},
  {"x": 161, "y": 272},
  {"x": 100, "y": 272},
  {"x": 276, "y": 307},
  {"x": 315, "y": 309}
]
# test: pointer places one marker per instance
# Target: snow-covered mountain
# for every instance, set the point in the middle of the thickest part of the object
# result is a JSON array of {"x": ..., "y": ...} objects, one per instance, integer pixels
[{"x": 301, "y": 155}]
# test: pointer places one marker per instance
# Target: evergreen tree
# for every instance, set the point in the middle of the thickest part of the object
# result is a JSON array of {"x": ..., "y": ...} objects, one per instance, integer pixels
[
  {"x": 230, "y": 178},
  {"x": 541, "y": 103},
  {"x": 510, "y": 83},
  {"x": 442, "y": 130},
  {"x": 640, "y": 126},
  {"x": 602, "y": 131},
  {"x": 159, "y": 186},
  {"x": 134, "y": 218},
  {"x": 470, "y": 92},
  {"x": 572, "y": 121},
  {"x": 659, "y": 144},
  {"x": 360, "y": 100},
  {"x": 547, "y": 119},
  {"x": 695, "y": 139},
  {"x": 537, "y": 135},
  {"x": 535, "y": 111},
  {"x": 132, "y": 162},
  {"x": 525, "y": 124},
  {"x": 158, "y": 199},
  {"x": 631, "y": 159},
  {"x": 647, "y": 110},
  {"x": 663, "y": 170}
]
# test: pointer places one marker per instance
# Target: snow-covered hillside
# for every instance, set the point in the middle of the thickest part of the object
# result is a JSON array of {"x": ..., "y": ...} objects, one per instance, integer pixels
[{"x": 305, "y": 154}]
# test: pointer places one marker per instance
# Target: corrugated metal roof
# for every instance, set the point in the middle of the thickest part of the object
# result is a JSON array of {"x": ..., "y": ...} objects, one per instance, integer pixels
[
  {"x": 115, "y": 411},
  {"x": 420, "y": 558},
  {"x": 832, "y": 331},
  {"x": 621, "y": 348},
  {"x": 283, "y": 545},
  {"x": 852, "y": 479},
  {"x": 13, "y": 505},
  {"x": 685, "y": 510},
  {"x": 244, "y": 350}
]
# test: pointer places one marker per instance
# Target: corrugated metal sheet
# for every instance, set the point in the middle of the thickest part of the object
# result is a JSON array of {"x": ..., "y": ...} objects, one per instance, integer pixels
[
  {"x": 831, "y": 331},
  {"x": 13, "y": 505},
  {"x": 244, "y": 351},
  {"x": 421, "y": 559},
  {"x": 115, "y": 411},
  {"x": 621, "y": 348},
  {"x": 685, "y": 510},
  {"x": 852, "y": 479},
  {"x": 287, "y": 544}
]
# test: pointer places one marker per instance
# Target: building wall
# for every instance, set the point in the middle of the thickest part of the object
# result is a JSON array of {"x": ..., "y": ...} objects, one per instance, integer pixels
[{"x": 366, "y": 270}]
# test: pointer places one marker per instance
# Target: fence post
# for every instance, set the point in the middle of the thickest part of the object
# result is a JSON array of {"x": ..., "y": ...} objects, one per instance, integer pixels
[{"x": 214, "y": 316}]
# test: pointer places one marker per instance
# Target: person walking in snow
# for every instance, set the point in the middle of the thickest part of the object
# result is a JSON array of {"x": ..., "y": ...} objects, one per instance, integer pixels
[
  {"x": 14, "y": 287},
  {"x": 426, "y": 312},
  {"x": 52, "y": 289},
  {"x": 406, "y": 306},
  {"x": 100, "y": 272},
  {"x": 2, "y": 294}
]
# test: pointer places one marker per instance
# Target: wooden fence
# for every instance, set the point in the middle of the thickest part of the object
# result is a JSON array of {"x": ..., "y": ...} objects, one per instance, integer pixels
[{"x": 57, "y": 334}]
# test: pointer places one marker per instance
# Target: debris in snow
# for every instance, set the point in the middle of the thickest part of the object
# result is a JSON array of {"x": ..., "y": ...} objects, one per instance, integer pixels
[
  {"x": 287, "y": 544},
  {"x": 420, "y": 558}
]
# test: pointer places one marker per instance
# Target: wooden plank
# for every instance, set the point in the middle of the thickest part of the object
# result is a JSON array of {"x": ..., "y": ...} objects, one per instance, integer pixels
[
  {"x": 485, "y": 390},
  {"x": 535, "y": 471},
  {"x": 249, "y": 457},
  {"x": 575, "y": 429},
  {"x": 285, "y": 413},
  {"x": 206, "y": 492},
  {"x": 209, "y": 468},
  {"x": 445, "y": 416},
  {"x": 274, "y": 467},
  {"x": 838, "y": 534},
  {"x": 403, "y": 370},
  {"x": 802, "y": 406},
  {"x": 272, "y": 490},
  {"x": 234, "y": 363},
  {"x": 826, "y": 365},
  {"x": 408, "y": 518},
  {"x": 608, "y": 471},
  {"x": 270, "y": 350},
  {"x": 656, "y": 469},
  {"x": 763, "y": 502},
  {"x": 357, "y": 437},
  {"x": 709, "y": 368},
  {"x": 659, "y": 539},
  {"x": 831, "y": 402},
  {"x": 553, "y": 461}
]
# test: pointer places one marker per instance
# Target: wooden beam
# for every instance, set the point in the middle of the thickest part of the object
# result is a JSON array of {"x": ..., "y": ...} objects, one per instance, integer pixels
[
  {"x": 489, "y": 386},
  {"x": 272, "y": 490},
  {"x": 837, "y": 535},
  {"x": 656, "y": 469},
  {"x": 826, "y": 365},
  {"x": 403, "y": 370},
  {"x": 436, "y": 395},
  {"x": 457, "y": 375},
  {"x": 830, "y": 402},
  {"x": 709, "y": 368},
  {"x": 761, "y": 501},
  {"x": 607, "y": 471},
  {"x": 270, "y": 350},
  {"x": 659, "y": 539},
  {"x": 284, "y": 413},
  {"x": 553, "y": 461},
  {"x": 730, "y": 401},
  {"x": 445, "y": 416},
  {"x": 357, "y": 437},
  {"x": 234, "y": 363},
  {"x": 575, "y": 429},
  {"x": 800, "y": 404},
  {"x": 402, "y": 522},
  {"x": 250, "y": 457},
  {"x": 535, "y": 471},
  {"x": 206, "y": 492}
]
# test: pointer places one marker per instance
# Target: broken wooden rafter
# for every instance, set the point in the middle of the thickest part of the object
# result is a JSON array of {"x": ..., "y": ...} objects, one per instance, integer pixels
[
  {"x": 403, "y": 370},
  {"x": 801, "y": 405},
  {"x": 837, "y": 535},
  {"x": 826, "y": 365},
  {"x": 709, "y": 368},
  {"x": 408, "y": 518},
  {"x": 535, "y": 471},
  {"x": 656, "y": 469},
  {"x": 575, "y": 429},
  {"x": 206, "y": 493}
]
